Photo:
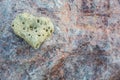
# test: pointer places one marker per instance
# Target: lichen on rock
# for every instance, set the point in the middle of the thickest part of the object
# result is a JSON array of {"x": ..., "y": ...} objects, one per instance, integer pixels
[{"x": 34, "y": 30}]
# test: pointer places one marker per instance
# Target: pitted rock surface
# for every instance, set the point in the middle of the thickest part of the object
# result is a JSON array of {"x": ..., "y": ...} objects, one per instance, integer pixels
[{"x": 32, "y": 29}]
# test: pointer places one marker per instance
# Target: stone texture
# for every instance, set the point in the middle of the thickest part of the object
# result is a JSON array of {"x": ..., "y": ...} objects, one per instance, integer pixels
[{"x": 84, "y": 46}]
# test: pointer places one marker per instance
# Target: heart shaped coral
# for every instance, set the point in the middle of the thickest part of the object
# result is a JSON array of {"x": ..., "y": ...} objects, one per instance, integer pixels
[{"x": 34, "y": 30}]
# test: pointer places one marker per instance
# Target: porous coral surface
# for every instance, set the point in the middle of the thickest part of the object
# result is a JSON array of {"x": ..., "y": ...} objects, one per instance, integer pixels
[{"x": 34, "y": 30}]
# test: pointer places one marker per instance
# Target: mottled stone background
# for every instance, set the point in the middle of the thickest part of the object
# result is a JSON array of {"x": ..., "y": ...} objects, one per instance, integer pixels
[{"x": 85, "y": 44}]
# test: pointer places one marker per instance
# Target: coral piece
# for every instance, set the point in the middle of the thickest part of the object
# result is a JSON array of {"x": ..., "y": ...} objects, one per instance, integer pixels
[{"x": 32, "y": 29}]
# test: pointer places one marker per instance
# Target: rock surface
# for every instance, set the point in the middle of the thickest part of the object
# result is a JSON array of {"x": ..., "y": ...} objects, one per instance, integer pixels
[{"x": 84, "y": 46}]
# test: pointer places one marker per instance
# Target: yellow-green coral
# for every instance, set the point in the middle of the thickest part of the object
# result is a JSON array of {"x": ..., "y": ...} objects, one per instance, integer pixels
[{"x": 32, "y": 29}]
